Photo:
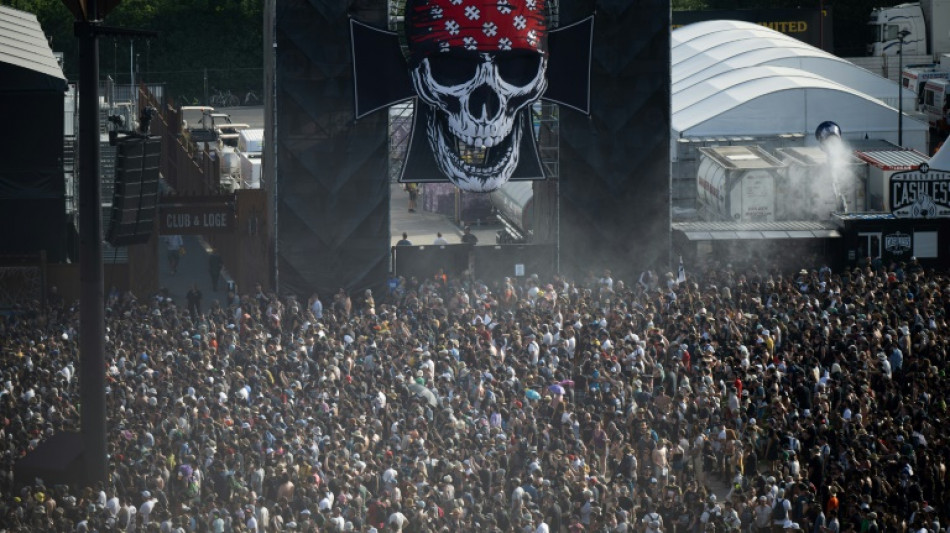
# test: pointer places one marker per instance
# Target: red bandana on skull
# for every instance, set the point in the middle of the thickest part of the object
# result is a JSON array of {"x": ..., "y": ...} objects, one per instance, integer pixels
[{"x": 475, "y": 25}]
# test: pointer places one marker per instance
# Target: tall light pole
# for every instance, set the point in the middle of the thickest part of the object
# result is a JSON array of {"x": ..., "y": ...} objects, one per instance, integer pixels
[{"x": 901, "y": 35}]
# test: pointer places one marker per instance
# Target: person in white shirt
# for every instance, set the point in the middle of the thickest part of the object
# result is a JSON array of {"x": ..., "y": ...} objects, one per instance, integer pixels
[
  {"x": 173, "y": 246},
  {"x": 517, "y": 498},
  {"x": 125, "y": 519},
  {"x": 538, "y": 519},
  {"x": 533, "y": 349},
  {"x": 251, "y": 522},
  {"x": 147, "y": 507},
  {"x": 762, "y": 514},
  {"x": 337, "y": 519},
  {"x": 397, "y": 521},
  {"x": 731, "y": 518},
  {"x": 439, "y": 239},
  {"x": 263, "y": 516},
  {"x": 316, "y": 306}
]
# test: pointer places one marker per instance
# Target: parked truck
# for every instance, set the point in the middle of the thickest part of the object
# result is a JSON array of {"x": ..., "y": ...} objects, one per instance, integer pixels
[
  {"x": 250, "y": 147},
  {"x": 935, "y": 104},
  {"x": 928, "y": 24},
  {"x": 915, "y": 77}
]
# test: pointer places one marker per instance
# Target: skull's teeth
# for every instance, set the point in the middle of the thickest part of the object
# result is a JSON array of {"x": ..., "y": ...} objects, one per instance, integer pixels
[{"x": 472, "y": 150}]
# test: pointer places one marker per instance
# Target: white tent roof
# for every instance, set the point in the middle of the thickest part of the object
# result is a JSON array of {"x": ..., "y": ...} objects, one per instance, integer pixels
[
  {"x": 738, "y": 78},
  {"x": 941, "y": 160},
  {"x": 712, "y": 47},
  {"x": 23, "y": 44}
]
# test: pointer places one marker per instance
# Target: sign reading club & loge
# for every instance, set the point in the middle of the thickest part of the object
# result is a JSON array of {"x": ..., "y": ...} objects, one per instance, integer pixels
[
  {"x": 474, "y": 69},
  {"x": 921, "y": 193},
  {"x": 198, "y": 215}
]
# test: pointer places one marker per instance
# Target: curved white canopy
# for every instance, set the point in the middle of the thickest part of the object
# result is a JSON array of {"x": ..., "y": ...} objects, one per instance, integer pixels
[
  {"x": 712, "y": 47},
  {"x": 738, "y": 78}
]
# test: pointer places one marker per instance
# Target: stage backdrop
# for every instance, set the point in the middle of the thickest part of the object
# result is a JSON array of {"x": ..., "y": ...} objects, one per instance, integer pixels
[
  {"x": 615, "y": 164},
  {"x": 330, "y": 192}
]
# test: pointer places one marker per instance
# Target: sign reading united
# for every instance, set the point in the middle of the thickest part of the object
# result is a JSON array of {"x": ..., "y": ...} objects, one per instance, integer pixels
[{"x": 921, "y": 193}]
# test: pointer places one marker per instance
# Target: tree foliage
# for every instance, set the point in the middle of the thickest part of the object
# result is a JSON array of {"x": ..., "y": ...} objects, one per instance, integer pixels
[
  {"x": 849, "y": 17},
  {"x": 223, "y": 36},
  {"x": 226, "y": 37}
]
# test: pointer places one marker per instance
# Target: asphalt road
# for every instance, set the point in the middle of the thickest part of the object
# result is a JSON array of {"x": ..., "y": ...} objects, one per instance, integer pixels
[{"x": 253, "y": 116}]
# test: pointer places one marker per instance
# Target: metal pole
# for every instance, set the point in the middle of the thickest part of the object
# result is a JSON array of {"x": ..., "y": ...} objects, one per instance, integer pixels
[
  {"x": 900, "y": 91},
  {"x": 91, "y": 317}
]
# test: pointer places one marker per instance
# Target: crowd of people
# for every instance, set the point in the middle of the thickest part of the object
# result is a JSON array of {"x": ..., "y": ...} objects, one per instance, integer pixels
[{"x": 735, "y": 401}]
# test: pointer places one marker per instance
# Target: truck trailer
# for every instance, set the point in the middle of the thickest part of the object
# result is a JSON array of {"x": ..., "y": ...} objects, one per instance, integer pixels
[
  {"x": 737, "y": 183},
  {"x": 927, "y": 23}
]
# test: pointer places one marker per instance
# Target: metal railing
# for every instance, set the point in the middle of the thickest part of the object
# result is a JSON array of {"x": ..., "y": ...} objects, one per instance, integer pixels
[{"x": 187, "y": 169}]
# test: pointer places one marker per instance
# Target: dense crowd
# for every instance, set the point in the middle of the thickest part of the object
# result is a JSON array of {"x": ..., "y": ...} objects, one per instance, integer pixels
[{"x": 736, "y": 401}]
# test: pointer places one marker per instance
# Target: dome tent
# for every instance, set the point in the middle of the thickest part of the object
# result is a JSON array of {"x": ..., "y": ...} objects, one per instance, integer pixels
[
  {"x": 941, "y": 160},
  {"x": 741, "y": 44},
  {"x": 735, "y": 78}
]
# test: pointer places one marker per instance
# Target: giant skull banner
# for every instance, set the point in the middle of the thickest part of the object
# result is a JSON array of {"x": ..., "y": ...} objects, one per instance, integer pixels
[{"x": 475, "y": 67}]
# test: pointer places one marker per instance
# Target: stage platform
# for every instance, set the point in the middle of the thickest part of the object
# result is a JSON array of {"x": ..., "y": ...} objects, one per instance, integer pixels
[{"x": 423, "y": 226}]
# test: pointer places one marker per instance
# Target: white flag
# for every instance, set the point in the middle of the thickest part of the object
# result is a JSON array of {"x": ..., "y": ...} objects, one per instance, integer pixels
[{"x": 681, "y": 273}]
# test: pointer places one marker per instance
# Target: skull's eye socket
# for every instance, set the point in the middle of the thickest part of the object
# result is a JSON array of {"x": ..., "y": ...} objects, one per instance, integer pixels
[
  {"x": 518, "y": 69},
  {"x": 453, "y": 68}
]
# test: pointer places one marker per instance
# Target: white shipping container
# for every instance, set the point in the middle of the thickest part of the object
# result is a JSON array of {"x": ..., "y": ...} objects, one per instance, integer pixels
[
  {"x": 251, "y": 141},
  {"x": 737, "y": 183},
  {"x": 250, "y": 171}
]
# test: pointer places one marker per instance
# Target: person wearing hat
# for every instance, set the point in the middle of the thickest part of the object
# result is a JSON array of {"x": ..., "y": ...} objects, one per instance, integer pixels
[
  {"x": 251, "y": 523},
  {"x": 712, "y": 511},
  {"x": 446, "y": 490},
  {"x": 148, "y": 505},
  {"x": 762, "y": 513},
  {"x": 872, "y": 525}
]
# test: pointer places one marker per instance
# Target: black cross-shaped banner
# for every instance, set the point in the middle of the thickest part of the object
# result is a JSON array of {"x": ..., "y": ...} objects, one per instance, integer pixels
[{"x": 381, "y": 78}]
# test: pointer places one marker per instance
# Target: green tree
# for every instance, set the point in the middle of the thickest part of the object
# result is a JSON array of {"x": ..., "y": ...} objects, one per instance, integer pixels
[
  {"x": 848, "y": 17},
  {"x": 690, "y": 5},
  {"x": 223, "y": 36}
]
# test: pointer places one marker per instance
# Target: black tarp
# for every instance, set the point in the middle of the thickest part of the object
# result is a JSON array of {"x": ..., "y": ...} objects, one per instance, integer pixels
[
  {"x": 615, "y": 164},
  {"x": 32, "y": 183},
  {"x": 331, "y": 192}
]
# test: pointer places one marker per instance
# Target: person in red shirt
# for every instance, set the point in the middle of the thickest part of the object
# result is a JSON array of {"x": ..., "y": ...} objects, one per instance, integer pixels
[{"x": 832, "y": 504}]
